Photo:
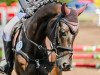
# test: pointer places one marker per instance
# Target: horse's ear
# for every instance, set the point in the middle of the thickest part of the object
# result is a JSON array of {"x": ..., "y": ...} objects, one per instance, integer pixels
[
  {"x": 80, "y": 10},
  {"x": 65, "y": 10}
]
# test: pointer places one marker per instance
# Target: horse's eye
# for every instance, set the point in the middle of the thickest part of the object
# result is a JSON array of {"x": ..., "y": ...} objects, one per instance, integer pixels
[{"x": 62, "y": 32}]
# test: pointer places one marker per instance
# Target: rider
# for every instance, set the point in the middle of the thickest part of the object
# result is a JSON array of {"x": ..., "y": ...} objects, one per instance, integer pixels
[{"x": 28, "y": 9}]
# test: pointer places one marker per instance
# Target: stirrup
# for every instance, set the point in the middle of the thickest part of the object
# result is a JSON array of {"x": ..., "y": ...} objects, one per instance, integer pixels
[
  {"x": 4, "y": 67},
  {"x": 2, "y": 70}
]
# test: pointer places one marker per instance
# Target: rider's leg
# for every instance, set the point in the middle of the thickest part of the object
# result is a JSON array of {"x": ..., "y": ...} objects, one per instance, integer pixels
[{"x": 8, "y": 44}]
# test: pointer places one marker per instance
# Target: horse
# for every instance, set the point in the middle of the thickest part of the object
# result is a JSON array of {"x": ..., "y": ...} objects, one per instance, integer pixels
[{"x": 32, "y": 56}]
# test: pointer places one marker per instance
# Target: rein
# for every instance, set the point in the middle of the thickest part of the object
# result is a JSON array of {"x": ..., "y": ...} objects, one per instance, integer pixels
[
  {"x": 40, "y": 47},
  {"x": 24, "y": 55}
]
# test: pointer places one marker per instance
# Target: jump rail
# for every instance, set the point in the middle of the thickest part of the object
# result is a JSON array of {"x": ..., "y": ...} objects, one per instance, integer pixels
[
  {"x": 86, "y": 48},
  {"x": 86, "y": 56},
  {"x": 97, "y": 66}
]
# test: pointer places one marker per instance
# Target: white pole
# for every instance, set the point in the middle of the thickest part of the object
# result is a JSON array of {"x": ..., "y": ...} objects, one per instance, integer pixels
[
  {"x": 3, "y": 16},
  {"x": 99, "y": 20},
  {"x": 98, "y": 13}
]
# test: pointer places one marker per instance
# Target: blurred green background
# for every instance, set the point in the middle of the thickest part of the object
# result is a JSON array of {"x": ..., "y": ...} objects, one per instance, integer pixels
[
  {"x": 8, "y": 2},
  {"x": 11, "y": 1}
]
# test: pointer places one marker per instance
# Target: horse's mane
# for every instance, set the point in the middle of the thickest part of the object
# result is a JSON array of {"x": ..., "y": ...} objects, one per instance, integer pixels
[
  {"x": 44, "y": 11},
  {"x": 42, "y": 15},
  {"x": 49, "y": 9}
]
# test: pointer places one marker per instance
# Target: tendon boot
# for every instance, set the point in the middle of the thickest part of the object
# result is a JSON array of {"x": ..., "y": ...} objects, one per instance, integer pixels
[{"x": 6, "y": 65}]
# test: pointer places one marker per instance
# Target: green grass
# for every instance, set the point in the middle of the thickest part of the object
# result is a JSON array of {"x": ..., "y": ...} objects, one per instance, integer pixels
[{"x": 0, "y": 53}]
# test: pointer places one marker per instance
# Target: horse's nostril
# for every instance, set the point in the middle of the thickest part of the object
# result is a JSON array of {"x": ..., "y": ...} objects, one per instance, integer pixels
[
  {"x": 65, "y": 64},
  {"x": 66, "y": 67}
]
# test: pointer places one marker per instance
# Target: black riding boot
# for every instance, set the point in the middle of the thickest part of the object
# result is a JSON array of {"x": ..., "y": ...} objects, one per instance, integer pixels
[{"x": 6, "y": 68}]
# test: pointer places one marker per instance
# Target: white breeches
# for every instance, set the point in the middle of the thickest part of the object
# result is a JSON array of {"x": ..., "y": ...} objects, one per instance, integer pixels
[{"x": 8, "y": 28}]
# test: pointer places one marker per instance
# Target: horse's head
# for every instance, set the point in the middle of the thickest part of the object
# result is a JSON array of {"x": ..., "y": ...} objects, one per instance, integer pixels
[{"x": 61, "y": 32}]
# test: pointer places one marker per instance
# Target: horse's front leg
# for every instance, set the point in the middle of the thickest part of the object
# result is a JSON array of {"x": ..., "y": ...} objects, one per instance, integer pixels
[
  {"x": 55, "y": 71},
  {"x": 20, "y": 65}
]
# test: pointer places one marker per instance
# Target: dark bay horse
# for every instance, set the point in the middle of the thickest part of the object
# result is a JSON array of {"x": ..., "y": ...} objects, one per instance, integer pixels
[{"x": 57, "y": 23}]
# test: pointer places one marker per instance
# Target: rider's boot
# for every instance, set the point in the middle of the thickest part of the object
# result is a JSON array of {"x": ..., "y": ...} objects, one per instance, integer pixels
[{"x": 7, "y": 65}]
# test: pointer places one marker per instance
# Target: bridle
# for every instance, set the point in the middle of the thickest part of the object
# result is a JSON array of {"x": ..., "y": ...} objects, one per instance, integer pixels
[
  {"x": 55, "y": 48},
  {"x": 62, "y": 50},
  {"x": 56, "y": 25}
]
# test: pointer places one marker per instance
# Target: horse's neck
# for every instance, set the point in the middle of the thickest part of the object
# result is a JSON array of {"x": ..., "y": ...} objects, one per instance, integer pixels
[{"x": 36, "y": 25}]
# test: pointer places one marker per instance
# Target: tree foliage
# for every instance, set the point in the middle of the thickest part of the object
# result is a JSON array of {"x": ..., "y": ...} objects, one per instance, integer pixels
[
  {"x": 8, "y": 2},
  {"x": 65, "y": 1}
]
